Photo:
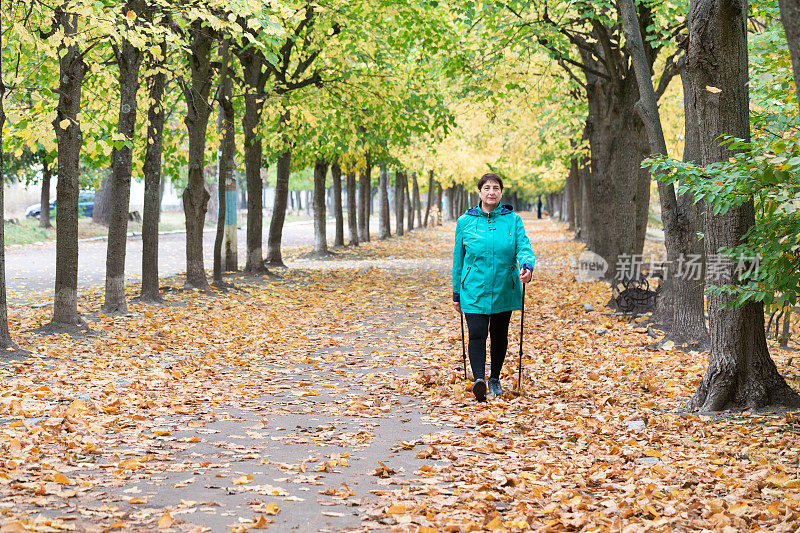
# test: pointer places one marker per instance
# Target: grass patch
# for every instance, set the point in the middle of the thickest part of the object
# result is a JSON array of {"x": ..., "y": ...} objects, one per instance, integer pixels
[{"x": 28, "y": 232}]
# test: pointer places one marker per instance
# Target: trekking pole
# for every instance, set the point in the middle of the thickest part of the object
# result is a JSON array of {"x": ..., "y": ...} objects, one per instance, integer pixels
[
  {"x": 463, "y": 347},
  {"x": 521, "y": 330}
]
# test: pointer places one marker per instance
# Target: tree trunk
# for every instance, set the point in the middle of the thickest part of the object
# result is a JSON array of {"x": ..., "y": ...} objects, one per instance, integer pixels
[
  {"x": 195, "y": 196},
  {"x": 741, "y": 373},
  {"x": 439, "y": 194},
  {"x": 384, "y": 224},
  {"x": 430, "y": 199},
  {"x": 352, "y": 208},
  {"x": 255, "y": 78},
  {"x": 364, "y": 190},
  {"x": 101, "y": 214},
  {"x": 320, "y": 229},
  {"x": 153, "y": 183},
  {"x": 399, "y": 201},
  {"x": 570, "y": 192},
  {"x": 227, "y": 152},
  {"x": 6, "y": 343},
  {"x": 409, "y": 203},
  {"x": 72, "y": 70},
  {"x": 274, "y": 256},
  {"x": 790, "y": 17},
  {"x": 617, "y": 188},
  {"x": 44, "y": 197},
  {"x": 416, "y": 198},
  {"x": 680, "y": 310},
  {"x": 336, "y": 176},
  {"x": 129, "y": 59},
  {"x": 449, "y": 195},
  {"x": 577, "y": 198},
  {"x": 682, "y": 293}
]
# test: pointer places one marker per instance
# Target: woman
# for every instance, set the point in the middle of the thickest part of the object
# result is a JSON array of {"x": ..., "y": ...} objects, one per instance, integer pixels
[{"x": 492, "y": 257}]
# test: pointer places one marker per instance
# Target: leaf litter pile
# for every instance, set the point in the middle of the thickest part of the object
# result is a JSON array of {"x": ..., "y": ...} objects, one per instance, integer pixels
[{"x": 325, "y": 360}]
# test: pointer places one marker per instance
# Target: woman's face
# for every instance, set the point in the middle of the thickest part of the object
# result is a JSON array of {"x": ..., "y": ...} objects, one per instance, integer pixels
[{"x": 490, "y": 194}]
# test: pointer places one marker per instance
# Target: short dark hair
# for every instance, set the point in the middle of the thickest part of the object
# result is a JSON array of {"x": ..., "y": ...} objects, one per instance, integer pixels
[{"x": 490, "y": 176}]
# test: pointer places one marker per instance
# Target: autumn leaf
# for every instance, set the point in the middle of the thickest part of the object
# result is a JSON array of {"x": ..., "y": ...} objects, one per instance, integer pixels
[{"x": 166, "y": 521}]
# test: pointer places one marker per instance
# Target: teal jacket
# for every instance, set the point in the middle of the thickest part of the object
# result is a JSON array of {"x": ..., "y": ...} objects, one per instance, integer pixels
[{"x": 490, "y": 249}]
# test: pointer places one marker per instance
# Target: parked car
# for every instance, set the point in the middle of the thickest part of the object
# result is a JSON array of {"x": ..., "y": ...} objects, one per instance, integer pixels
[{"x": 85, "y": 206}]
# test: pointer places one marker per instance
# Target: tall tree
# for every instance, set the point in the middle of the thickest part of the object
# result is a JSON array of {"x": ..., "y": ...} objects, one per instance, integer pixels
[
  {"x": 741, "y": 373},
  {"x": 256, "y": 75},
  {"x": 128, "y": 58},
  {"x": 72, "y": 71},
  {"x": 227, "y": 153},
  {"x": 196, "y": 90},
  {"x": 156, "y": 81}
]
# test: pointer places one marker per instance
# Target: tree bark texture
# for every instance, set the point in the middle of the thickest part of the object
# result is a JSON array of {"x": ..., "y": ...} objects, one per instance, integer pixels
[
  {"x": 790, "y": 17},
  {"x": 384, "y": 224},
  {"x": 195, "y": 196},
  {"x": 429, "y": 201},
  {"x": 129, "y": 60},
  {"x": 680, "y": 310},
  {"x": 336, "y": 177},
  {"x": 274, "y": 256},
  {"x": 352, "y": 208},
  {"x": 617, "y": 189},
  {"x": 399, "y": 201},
  {"x": 320, "y": 215},
  {"x": 44, "y": 197},
  {"x": 72, "y": 71},
  {"x": 364, "y": 193},
  {"x": 227, "y": 153},
  {"x": 153, "y": 180},
  {"x": 741, "y": 373},
  {"x": 101, "y": 214},
  {"x": 255, "y": 78}
]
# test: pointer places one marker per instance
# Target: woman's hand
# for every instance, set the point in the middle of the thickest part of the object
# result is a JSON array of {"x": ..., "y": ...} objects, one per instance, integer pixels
[
  {"x": 524, "y": 275},
  {"x": 457, "y": 306}
]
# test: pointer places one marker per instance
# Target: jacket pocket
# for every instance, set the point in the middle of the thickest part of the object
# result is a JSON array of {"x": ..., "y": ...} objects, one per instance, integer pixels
[{"x": 465, "y": 274}]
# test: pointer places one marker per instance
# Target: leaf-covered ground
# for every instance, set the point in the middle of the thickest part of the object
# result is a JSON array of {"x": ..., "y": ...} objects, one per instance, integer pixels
[{"x": 332, "y": 398}]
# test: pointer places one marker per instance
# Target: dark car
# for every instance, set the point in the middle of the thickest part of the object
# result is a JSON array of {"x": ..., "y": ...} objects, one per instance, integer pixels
[{"x": 85, "y": 206}]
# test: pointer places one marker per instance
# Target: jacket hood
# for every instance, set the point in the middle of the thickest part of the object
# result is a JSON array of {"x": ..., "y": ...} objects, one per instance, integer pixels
[{"x": 503, "y": 209}]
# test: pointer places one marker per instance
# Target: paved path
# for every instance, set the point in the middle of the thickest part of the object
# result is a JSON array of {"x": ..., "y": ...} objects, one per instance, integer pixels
[
  {"x": 309, "y": 448},
  {"x": 30, "y": 270}
]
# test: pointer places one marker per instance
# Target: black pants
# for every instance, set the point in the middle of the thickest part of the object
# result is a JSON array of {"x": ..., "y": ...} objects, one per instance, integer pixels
[{"x": 483, "y": 326}]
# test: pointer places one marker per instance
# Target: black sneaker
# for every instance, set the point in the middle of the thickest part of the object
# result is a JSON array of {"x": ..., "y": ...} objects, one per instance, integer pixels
[
  {"x": 494, "y": 386},
  {"x": 479, "y": 390}
]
